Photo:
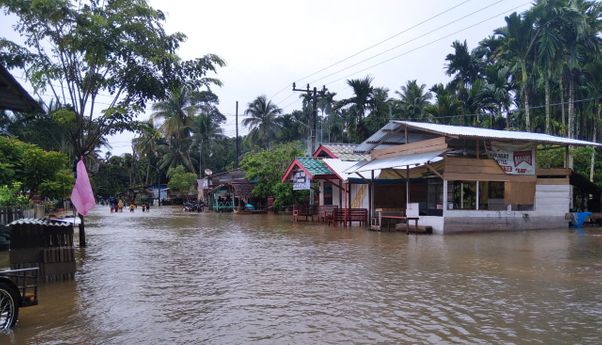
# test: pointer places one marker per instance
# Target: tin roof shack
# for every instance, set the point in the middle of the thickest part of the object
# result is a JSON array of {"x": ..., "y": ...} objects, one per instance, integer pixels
[
  {"x": 230, "y": 191},
  {"x": 325, "y": 170},
  {"x": 460, "y": 179}
]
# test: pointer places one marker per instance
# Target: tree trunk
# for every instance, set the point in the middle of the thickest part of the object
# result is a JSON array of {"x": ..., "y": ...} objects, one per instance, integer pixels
[
  {"x": 147, "y": 173},
  {"x": 571, "y": 124},
  {"x": 547, "y": 92},
  {"x": 201, "y": 159},
  {"x": 594, "y": 139},
  {"x": 526, "y": 96},
  {"x": 562, "y": 114}
]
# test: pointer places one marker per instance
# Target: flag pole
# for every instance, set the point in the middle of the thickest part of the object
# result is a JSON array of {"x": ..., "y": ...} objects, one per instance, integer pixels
[{"x": 82, "y": 198}]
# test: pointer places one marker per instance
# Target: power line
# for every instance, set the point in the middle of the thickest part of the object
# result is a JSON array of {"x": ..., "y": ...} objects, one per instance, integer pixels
[
  {"x": 373, "y": 45},
  {"x": 427, "y": 44},
  {"x": 391, "y": 37},
  {"x": 409, "y": 41}
]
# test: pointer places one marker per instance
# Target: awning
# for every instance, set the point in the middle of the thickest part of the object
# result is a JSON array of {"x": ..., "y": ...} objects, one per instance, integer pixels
[
  {"x": 398, "y": 162},
  {"x": 339, "y": 166}
]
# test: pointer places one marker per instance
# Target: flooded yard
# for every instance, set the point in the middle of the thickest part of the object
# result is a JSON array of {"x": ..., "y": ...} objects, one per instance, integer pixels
[{"x": 168, "y": 277}]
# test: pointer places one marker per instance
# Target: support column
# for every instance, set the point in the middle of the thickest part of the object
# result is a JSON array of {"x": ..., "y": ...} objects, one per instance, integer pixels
[
  {"x": 370, "y": 198},
  {"x": 444, "y": 197},
  {"x": 407, "y": 187}
]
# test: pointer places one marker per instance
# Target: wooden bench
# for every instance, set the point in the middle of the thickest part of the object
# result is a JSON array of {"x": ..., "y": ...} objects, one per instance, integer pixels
[
  {"x": 325, "y": 212},
  {"x": 392, "y": 217},
  {"x": 304, "y": 211},
  {"x": 350, "y": 215}
]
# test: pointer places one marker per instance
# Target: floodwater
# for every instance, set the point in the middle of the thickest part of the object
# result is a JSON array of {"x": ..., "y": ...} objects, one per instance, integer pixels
[{"x": 168, "y": 277}]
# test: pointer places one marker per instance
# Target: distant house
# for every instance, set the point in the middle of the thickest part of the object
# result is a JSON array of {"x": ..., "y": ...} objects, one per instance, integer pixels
[
  {"x": 453, "y": 178},
  {"x": 230, "y": 191}
]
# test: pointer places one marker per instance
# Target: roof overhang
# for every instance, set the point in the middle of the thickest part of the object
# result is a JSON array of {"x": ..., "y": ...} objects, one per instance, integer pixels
[
  {"x": 492, "y": 134},
  {"x": 396, "y": 162},
  {"x": 13, "y": 96},
  {"x": 294, "y": 166}
]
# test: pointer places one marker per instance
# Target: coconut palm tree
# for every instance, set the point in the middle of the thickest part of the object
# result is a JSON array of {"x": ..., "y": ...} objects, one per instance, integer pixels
[
  {"x": 176, "y": 112},
  {"x": 262, "y": 120},
  {"x": 205, "y": 131},
  {"x": 362, "y": 99},
  {"x": 147, "y": 146},
  {"x": 414, "y": 99}
]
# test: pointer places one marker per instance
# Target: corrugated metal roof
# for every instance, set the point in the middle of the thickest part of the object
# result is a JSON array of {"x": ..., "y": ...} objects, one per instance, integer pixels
[
  {"x": 476, "y": 132},
  {"x": 339, "y": 166},
  {"x": 345, "y": 152},
  {"x": 396, "y": 162},
  {"x": 40, "y": 221}
]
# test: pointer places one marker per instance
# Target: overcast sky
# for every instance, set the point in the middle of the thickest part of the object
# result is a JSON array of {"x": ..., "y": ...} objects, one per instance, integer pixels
[{"x": 269, "y": 44}]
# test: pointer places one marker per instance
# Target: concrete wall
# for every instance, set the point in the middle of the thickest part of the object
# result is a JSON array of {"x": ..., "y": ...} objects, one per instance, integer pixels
[{"x": 551, "y": 205}]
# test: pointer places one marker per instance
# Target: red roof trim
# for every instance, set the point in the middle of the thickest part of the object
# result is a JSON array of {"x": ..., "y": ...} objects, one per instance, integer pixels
[
  {"x": 290, "y": 169},
  {"x": 324, "y": 149}
]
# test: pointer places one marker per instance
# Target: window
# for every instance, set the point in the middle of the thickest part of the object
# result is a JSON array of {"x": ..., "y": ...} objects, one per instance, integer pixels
[
  {"x": 327, "y": 193},
  {"x": 491, "y": 195},
  {"x": 434, "y": 203},
  {"x": 462, "y": 195}
]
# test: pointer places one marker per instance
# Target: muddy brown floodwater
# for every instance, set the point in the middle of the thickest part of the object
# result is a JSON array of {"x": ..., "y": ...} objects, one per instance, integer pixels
[{"x": 168, "y": 277}]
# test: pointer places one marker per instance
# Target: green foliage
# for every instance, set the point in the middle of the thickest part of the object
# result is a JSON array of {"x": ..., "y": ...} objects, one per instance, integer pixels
[
  {"x": 554, "y": 158},
  {"x": 38, "y": 171},
  {"x": 180, "y": 180},
  {"x": 284, "y": 195},
  {"x": 266, "y": 167},
  {"x": 112, "y": 177},
  {"x": 100, "y": 47},
  {"x": 12, "y": 196}
]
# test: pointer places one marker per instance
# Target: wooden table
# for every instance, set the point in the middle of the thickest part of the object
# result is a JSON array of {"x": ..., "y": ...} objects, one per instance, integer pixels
[{"x": 400, "y": 218}]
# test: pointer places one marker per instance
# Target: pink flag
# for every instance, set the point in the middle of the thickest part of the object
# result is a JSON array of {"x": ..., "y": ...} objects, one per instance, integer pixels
[{"x": 82, "y": 196}]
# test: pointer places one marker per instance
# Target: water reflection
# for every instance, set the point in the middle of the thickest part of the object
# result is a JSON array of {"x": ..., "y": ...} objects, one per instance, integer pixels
[{"x": 171, "y": 277}]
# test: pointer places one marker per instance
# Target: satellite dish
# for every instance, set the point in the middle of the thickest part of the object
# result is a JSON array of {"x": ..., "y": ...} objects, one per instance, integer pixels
[{"x": 208, "y": 172}]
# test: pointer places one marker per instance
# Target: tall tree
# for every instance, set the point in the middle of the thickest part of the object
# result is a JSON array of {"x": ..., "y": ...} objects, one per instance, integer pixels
[
  {"x": 414, "y": 99},
  {"x": 549, "y": 44},
  {"x": 356, "y": 106},
  {"x": 517, "y": 39},
  {"x": 81, "y": 51},
  {"x": 262, "y": 119}
]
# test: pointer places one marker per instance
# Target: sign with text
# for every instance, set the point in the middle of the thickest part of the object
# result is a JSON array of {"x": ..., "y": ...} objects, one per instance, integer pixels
[
  {"x": 300, "y": 181},
  {"x": 514, "y": 159}
]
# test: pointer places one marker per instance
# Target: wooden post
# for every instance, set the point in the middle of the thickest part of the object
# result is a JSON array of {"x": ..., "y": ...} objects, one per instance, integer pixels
[
  {"x": 407, "y": 188},
  {"x": 370, "y": 197},
  {"x": 82, "y": 232}
]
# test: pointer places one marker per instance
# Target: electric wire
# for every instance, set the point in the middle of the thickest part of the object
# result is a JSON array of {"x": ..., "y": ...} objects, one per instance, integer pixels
[
  {"x": 374, "y": 45},
  {"x": 425, "y": 45}
]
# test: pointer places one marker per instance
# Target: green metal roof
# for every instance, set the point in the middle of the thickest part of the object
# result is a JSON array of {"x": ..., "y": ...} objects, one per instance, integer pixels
[{"x": 315, "y": 166}]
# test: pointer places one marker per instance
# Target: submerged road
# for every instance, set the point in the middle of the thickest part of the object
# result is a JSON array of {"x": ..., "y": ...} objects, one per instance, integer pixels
[{"x": 168, "y": 277}]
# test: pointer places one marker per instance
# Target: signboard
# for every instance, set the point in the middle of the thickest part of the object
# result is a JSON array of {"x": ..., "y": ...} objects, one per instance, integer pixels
[
  {"x": 514, "y": 159},
  {"x": 300, "y": 181}
]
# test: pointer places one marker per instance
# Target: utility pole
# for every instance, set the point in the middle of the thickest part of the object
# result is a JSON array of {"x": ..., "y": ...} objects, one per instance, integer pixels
[
  {"x": 314, "y": 96},
  {"x": 237, "y": 145}
]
